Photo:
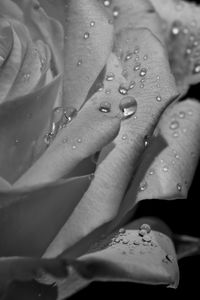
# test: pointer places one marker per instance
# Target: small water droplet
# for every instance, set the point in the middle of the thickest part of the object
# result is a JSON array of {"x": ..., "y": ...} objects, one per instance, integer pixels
[
  {"x": 145, "y": 57},
  {"x": 128, "y": 106},
  {"x": 142, "y": 232},
  {"x": 74, "y": 147},
  {"x": 151, "y": 172},
  {"x": 136, "y": 50},
  {"x": 86, "y": 35},
  {"x": 91, "y": 176},
  {"x": 143, "y": 72},
  {"x": 48, "y": 138},
  {"x": 79, "y": 62},
  {"x": 26, "y": 76},
  {"x": 17, "y": 141},
  {"x": 179, "y": 187},
  {"x": 107, "y": 3},
  {"x": 174, "y": 125},
  {"x": 122, "y": 230},
  {"x": 165, "y": 168},
  {"x": 146, "y": 238},
  {"x": 110, "y": 76},
  {"x": 124, "y": 137},
  {"x": 132, "y": 85},
  {"x": 176, "y": 27},
  {"x": 158, "y": 98},
  {"x": 147, "y": 140},
  {"x": 79, "y": 140},
  {"x": 116, "y": 12},
  {"x": 128, "y": 56},
  {"x": 181, "y": 114},
  {"x": 137, "y": 67},
  {"x": 108, "y": 91},
  {"x": 105, "y": 107},
  {"x": 92, "y": 23},
  {"x": 65, "y": 140},
  {"x": 190, "y": 113},
  {"x": 122, "y": 90},
  {"x": 70, "y": 113},
  {"x": 170, "y": 257},
  {"x": 143, "y": 186},
  {"x": 175, "y": 134},
  {"x": 146, "y": 227},
  {"x": 196, "y": 68}
]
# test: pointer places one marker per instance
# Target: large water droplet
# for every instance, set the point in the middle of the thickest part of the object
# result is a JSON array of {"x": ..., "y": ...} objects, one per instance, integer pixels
[
  {"x": 105, "y": 107},
  {"x": 146, "y": 227},
  {"x": 122, "y": 230},
  {"x": 79, "y": 62},
  {"x": 174, "y": 125},
  {"x": 146, "y": 238},
  {"x": 136, "y": 50},
  {"x": 128, "y": 106}
]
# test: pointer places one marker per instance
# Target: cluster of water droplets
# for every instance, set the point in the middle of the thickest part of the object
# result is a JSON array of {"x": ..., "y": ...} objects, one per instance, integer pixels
[{"x": 59, "y": 119}]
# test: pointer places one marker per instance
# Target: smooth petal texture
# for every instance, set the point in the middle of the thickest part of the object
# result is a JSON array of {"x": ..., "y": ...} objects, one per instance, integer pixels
[
  {"x": 186, "y": 245},
  {"x": 30, "y": 218},
  {"x": 87, "y": 48},
  {"x": 9, "y": 9},
  {"x": 26, "y": 268},
  {"x": 134, "y": 14},
  {"x": 88, "y": 133},
  {"x": 101, "y": 202},
  {"x": 43, "y": 27},
  {"x": 22, "y": 125},
  {"x": 181, "y": 30},
  {"x": 4, "y": 185},
  {"x": 168, "y": 166}
]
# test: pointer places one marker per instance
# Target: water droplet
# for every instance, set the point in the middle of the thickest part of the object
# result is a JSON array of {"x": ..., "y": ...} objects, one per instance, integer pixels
[
  {"x": 188, "y": 51},
  {"x": 92, "y": 23},
  {"x": 158, "y": 98},
  {"x": 196, "y": 68},
  {"x": 137, "y": 57},
  {"x": 17, "y": 141},
  {"x": 74, "y": 147},
  {"x": 125, "y": 241},
  {"x": 107, "y": 3},
  {"x": 116, "y": 240},
  {"x": 147, "y": 140},
  {"x": 151, "y": 172},
  {"x": 124, "y": 137},
  {"x": 107, "y": 91},
  {"x": 122, "y": 90},
  {"x": 65, "y": 141},
  {"x": 132, "y": 85},
  {"x": 79, "y": 140},
  {"x": 26, "y": 76},
  {"x": 165, "y": 168},
  {"x": 146, "y": 238},
  {"x": 136, "y": 50},
  {"x": 110, "y": 76},
  {"x": 105, "y": 107},
  {"x": 146, "y": 227},
  {"x": 122, "y": 230},
  {"x": 170, "y": 258},
  {"x": 142, "y": 232},
  {"x": 176, "y": 27},
  {"x": 136, "y": 242},
  {"x": 79, "y": 62},
  {"x": 179, "y": 187},
  {"x": 128, "y": 106},
  {"x": 190, "y": 113},
  {"x": 174, "y": 125},
  {"x": 86, "y": 35},
  {"x": 128, "y": 56},
  {"x": 181, "y": 114},
  {"x": 175, "y": 134},
  {"x": 48, "y": 138},
  {"x": 145, "y": 57},
  {"x": 137, "y": 67},
  {"x": 70, "y": 113},
  {"x": 115, "y": 12},
  {"x": 143, "y": 186},
  {"x": 143, "y": 72}
]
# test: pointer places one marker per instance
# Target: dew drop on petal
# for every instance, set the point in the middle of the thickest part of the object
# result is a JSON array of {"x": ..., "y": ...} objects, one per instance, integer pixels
[
  {"x": 122, "y": 230},
  {"x": 110, "y": 76},
  {"x": 151, "y": 171},
  {"x": 122, "y": 90},
  {"x": 74, "y": 147},
  {"x": 196, "y": 69},
  {"x": 158, "y": 98},
  {"x": 137, "y": 67},
  {"x": 136, "y": 242},
  {"x": 105, "y": 107},
  {"x": 79, "y": 62},
  {"x": 175, "y": 134},
  {"x": 176, "y": 27},
  {"x": 136, "y": 50},
  {"x": 146, "y": 238},
  {"x": 107, "y": 3},
  {"x": 92, "y": 23},
  {"x": 147, "y": 139},
  {"x": 124, "y": 137},
  {"x": 165, "y": 168},
  {"x": 143, "y": 72},
  {"x": 128, "y": 56},
  {"x": 70, "y": 113},
  {"x": 115, "y": 12},
  {"x": 181, "y": 114},
  {"x": 128, "y": 106},
  {"x": 79, "y": 140},
  {"x": 143, "y": 186},
  {"x": 145, "y": 57},
  {"x": 26, "y": 76},
  {"x": 131, "y": 85},
  {"x": 174, "y": 125},
  {"x": 146, "y": 227},
  {"x": 86, "y": 35},
  {"x": 179, "y": 187}
]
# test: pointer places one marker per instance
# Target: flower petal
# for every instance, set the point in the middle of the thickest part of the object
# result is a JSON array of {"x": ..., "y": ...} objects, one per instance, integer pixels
[
  {"x": 87, "y": 48},
  {"x": 168, "y": 166},
  {"x": 9, "y": 9},
  {"x": 44, "y": 210},
  {"x": 88, "y": 133},
  {"x": 22, "y": 125},
  {"x": 181, "y": 31},
  {"x": 101, "y": 202}
]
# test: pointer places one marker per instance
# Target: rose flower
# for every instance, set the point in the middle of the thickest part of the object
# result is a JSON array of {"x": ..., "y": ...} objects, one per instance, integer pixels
[{"x": 94, "y": 119}]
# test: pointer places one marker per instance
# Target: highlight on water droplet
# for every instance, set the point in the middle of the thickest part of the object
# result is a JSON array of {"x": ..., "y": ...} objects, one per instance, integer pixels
[
  {"x": 132, "y": 85},
  {"x": 122, "y": 90},
  {"x": 105, "y": 107},
  {"x": 2, "y": 59},
  {"x": 146, "y": 227},
  {"x": 143, "y": 72},
  {"x": 136, "y": 50},
  {"x": 174, "y": 125},
  {"x": 124, "y": 137},
  {"x": 128, "y": 106},
  {"x": 165, "y": 168},
  {"x": 158, "y": 98},
  {"x": 110, "y": 76}
]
